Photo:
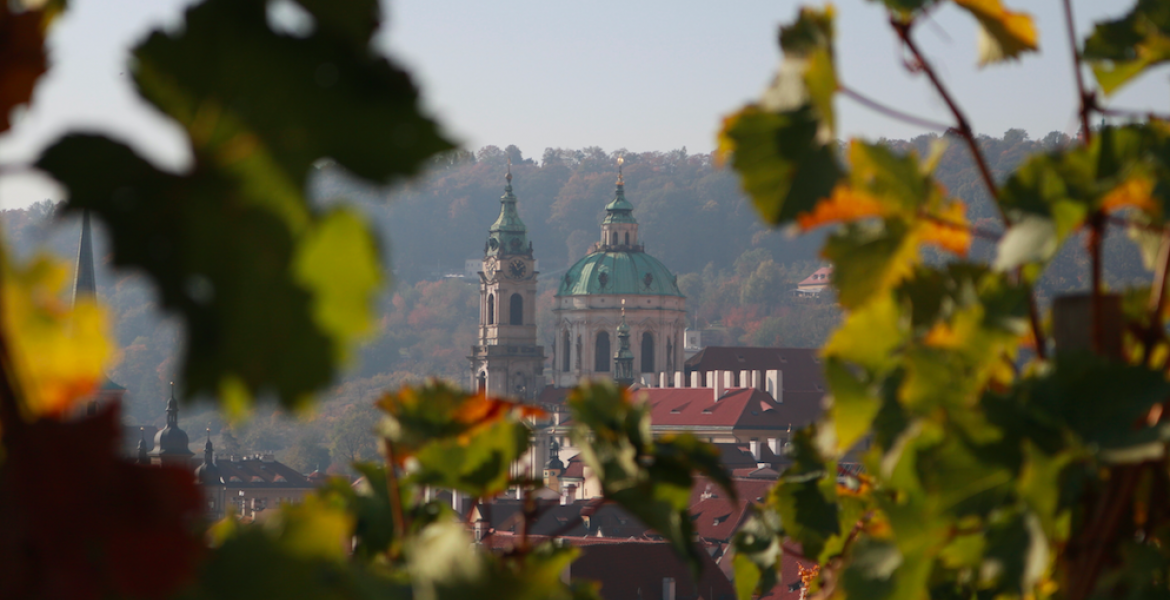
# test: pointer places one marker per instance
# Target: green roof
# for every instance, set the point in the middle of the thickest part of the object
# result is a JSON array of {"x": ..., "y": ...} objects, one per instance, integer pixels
[
  {"x": 618, "y": 273},
  {"x": 508, "y": 235}
]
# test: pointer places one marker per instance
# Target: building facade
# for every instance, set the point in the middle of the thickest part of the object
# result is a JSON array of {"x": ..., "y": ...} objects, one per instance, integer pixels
[
  {"x": 617, "y": 274},
  {"x": 506, "y": 359}
]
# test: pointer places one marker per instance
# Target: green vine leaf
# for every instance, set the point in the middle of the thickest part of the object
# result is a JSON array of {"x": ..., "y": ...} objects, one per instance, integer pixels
[
  {"x": 272, "y": 293},
  {"x": 1122, "y": 49}
]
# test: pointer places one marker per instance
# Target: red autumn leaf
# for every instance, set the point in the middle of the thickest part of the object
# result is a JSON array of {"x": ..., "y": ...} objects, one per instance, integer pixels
[{"x": 82, "y": 523}]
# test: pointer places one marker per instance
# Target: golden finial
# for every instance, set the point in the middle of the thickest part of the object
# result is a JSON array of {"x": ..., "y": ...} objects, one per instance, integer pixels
[{"x": 621, "y": 159}]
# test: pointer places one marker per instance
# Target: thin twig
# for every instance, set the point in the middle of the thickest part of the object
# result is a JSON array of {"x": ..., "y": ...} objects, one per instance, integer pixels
[
  {"x": 891, "y": 112},
  {"x": 1087, "y": 101},
  {"x": 975, "y": 231},
  {"x": 1131, "y": 112},
  {"x": 962, "y": 126}
]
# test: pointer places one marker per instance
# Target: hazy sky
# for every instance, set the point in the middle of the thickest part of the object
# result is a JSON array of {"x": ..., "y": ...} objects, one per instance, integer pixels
[{"x": 645, "y": 75}]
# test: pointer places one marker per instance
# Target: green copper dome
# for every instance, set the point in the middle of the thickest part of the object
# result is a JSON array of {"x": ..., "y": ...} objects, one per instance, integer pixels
[{"x": 618, "y": 273}]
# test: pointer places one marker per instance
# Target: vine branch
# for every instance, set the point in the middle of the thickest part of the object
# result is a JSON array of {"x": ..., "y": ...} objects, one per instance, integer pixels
[
  {"x": 891, "y": 112},
  {"x": 1087, "y": 101}
]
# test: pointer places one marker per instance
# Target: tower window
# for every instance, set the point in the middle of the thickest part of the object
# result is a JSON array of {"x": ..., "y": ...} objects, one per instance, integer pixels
[
  {"x": 516, "y": 310},
  {"x": 627, "y": 238},
  {"x": 601, "y": 353},
  {"x": 566, "y": 351},
  {"x": 647, "y": 352},
  {"x": 491, "y": 320},
  {"x": 482, "y": 382}
]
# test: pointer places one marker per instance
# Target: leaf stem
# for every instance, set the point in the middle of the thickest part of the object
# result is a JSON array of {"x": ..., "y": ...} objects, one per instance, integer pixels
[
  {"x": 1154, "y": 330},
  {"x": 891, "y": 112},
  {"x": 1086, "y": 99},
  {"x": 392, "y": 488},
  {"x": 1104, "y": 527},
  {"x": 1096, "y": 224},
  {"x": 10, "y": 420}
]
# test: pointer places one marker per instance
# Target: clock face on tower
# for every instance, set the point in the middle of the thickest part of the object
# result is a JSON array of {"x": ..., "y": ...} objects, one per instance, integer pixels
[{"x": 517, "y": 269}]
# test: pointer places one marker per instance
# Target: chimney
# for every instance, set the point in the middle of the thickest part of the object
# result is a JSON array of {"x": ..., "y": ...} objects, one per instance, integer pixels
[
  {"x": 745, "y": 379},
  {"x": 758, "y": 380},
  {"x": 775, "y": 384},
  {"x": 774, "y": 446},
  {"x": 668, "y": 588},
  {"x": 754, "y": 446},
  {"x": 728, "y": 380},
  {"x": 663, "y": 379},
  {"x": 695, "y": 379},
  {"x": 717, "y": 384},
  {"x": 709, "y": 378},
  {"x": 678, "y": 379}
]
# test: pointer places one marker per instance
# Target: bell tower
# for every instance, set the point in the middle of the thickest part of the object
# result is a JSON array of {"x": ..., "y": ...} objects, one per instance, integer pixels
[{"x": 506, "y": 360}]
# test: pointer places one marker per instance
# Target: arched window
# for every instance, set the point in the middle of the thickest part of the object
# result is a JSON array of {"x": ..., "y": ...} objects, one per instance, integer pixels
[
  {"x": 567, "y": 350},
  {"x": 601, "y": 353},
  {"x": 627, "y": 238},
  {"x": 647, "y": 352},
  {"x": 491, "y": 309},
  {"x": 516, "y": 310},
  {"x": 482, "y": 382}
]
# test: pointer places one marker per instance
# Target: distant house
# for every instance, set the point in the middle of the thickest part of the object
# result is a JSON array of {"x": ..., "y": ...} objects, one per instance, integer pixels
[{"x": 813, "y": 285}]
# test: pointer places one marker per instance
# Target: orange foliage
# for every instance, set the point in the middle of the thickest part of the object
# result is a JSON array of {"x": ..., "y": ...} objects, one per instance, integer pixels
[{"x": 846, "y": 204}]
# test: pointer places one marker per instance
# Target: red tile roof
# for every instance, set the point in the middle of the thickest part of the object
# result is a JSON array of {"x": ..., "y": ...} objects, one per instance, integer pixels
[
  {"x": 715, "y": 516},
  {"x": 257, "y": 473},
  {"x": 821, "y": 276},
  {"x": 632, "y": 570},
  {"x": 739, "y": 408}
]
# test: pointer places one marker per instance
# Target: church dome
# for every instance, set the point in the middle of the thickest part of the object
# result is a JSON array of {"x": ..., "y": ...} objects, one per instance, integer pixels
[
  {"x": 618, "y": 273},
  {"x": 170, "y": 440}
]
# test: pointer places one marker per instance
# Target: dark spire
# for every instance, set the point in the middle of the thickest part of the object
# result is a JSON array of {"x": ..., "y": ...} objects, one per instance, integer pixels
[
  {"x": 624, "y": 358},
  {"x": 85, "y": 283},
  {"x": 208, "y": 451},
  {"x": 143, "y": 457},
  {"x": 172, "y": 409},
  {"x": 554, "y": 456}
]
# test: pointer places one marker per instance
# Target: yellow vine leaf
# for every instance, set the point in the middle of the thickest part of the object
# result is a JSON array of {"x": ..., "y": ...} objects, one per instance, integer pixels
[
  {"x": 950, "y": 232},
  {"x": 845, "y": 204},
  {"x": 58, "y": 352},
  {"x": 1004, "y": 34},
  {"x": 1135, "y": 192}
]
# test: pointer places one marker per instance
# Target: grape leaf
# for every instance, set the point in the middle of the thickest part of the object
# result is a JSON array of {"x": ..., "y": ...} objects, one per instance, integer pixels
[
  {"x": 1003, "y": 34},
  {"x": 651, "y": 478},
  {"x": 58, "y": 351},
  {"x": 1122, "y": 49},
  {"x": 50, "y": 549},
  {"x": 805, "y": 497},
  {"x": 272, "y": 293}
]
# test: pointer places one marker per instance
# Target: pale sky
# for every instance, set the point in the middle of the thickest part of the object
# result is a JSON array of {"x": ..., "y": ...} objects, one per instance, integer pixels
[{"x": 645, "y": 75}]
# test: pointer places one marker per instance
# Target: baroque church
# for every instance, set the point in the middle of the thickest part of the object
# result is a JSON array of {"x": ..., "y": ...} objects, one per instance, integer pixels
[{"x": 618, "y": 311}]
